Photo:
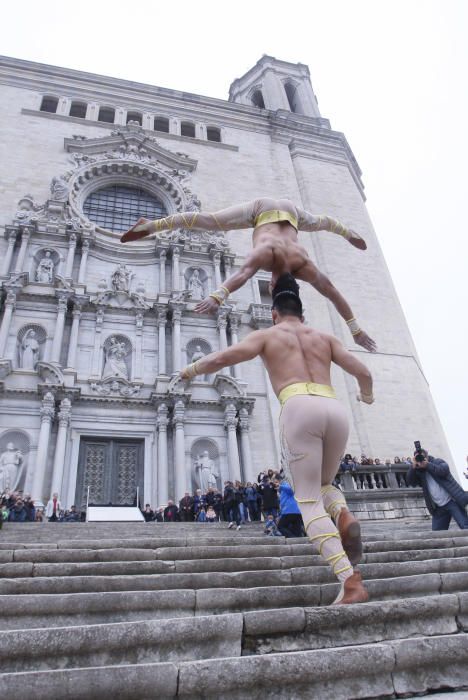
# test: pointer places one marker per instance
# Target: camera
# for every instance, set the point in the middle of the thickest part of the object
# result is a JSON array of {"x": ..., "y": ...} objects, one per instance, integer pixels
[{"x": 419, "y": 455}]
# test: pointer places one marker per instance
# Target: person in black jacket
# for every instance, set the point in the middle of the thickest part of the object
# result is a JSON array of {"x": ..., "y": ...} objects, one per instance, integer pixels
[{"x": 445, "y": 498}]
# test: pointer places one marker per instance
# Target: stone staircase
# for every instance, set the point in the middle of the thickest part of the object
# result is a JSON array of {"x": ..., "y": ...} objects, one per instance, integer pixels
[{"x": 195, "y": 610}]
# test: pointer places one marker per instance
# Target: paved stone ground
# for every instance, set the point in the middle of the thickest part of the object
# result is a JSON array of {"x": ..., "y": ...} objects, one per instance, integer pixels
[{"x": 167, "y": 610}]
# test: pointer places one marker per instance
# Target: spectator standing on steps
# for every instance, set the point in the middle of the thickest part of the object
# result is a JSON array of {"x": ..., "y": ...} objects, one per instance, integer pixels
[
  {"x": 445, "y": 498},
  {"x": 171, "y": 513}
]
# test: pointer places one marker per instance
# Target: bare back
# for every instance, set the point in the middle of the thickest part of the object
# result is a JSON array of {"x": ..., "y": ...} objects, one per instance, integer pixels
[{"x": 294, "y": 353}]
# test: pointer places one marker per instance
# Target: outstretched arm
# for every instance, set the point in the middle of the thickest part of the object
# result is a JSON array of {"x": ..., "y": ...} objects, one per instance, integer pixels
[
  {"x": 313, "y": 222},
  {"x": 239, "y": 216},
  {"x": 347, "y": 361},
  {"x": 241, "y": 352},
  {"x": 310, "y": 273}
]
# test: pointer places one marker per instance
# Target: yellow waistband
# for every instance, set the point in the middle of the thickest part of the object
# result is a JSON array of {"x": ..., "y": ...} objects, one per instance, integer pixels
[
  {"x": 274, "y": 216},
  {"x": 304, "y": 388}
]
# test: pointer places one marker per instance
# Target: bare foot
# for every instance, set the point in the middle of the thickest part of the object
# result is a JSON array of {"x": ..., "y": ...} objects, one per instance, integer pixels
[
  {"x": 207, "y": 306},
  {"x": 141, "y": 229},
  {"x": 356, "y": 240},
  {"x": 364, "y": 341}
]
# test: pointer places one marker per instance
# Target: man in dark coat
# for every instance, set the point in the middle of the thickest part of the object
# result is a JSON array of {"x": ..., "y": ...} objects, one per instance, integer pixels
[
  {"x": 445, "y": 498},
  {"x": 171, "y": 513},
  {"x": 186, "y": 508}
]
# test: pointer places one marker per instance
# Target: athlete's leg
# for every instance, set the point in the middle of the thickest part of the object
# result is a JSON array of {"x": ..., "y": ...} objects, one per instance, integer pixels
[
  {"x": 303, "y": 422},
  {"x": 334, "y": 501},
  {"x": 236, "y": 217}
]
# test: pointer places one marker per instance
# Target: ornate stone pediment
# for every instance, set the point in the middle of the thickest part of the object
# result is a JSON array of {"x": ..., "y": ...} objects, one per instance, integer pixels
[
  {"x": 120, "y": 300},
  {"x": 129, "y": 143},
  {"x": 50, "y": 374},
  {"x": 227, "y": 386},
  {"x": 115, "y": 386}
]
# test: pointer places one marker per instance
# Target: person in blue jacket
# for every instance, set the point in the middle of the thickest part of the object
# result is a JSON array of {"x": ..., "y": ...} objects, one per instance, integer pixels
[
  {"x": 290, "y": 523},
  {"x": 445, "y": 498}
]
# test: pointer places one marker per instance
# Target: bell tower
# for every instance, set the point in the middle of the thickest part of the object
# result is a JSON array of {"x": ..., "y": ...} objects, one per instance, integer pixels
[{"x": 273, "y": 85}]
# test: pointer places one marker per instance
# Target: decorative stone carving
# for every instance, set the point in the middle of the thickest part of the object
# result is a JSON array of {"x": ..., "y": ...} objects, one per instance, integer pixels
[
  {"x": 59, "y": 189},
  {"x": 260, "y": 315},
  {"x": 50, "y": 374},
  {"x": 116, "y": 386},
  {"x": 206, "y": 472},
  {"x": 195, "y": 285},
  {"x": 115, "y": 365},
  {"x": 45, "y": 269},
  {"x": 47, "y": 410},
  {"x": 11, "y": 464},
  {"x": 27, "y": 210},
  {"x": 121, "y": 278},
  {"x": 29, "y": 350}
]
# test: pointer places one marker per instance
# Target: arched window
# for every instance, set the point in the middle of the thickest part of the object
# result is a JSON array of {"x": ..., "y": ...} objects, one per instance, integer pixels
[
  {"x": 106, "y": 114},
  {"x": 257, "y": 99},
  {"x": 161, "y": 124},
  {"x": 187, "y": 129},
  {"x": 290, "y": 91},
  {"x": 117, "y": 207},
  {"x": 135, "y": 117},
  {"x": 78, "y": 109},
  {"x": 49, "y": 104},
  {"x": 213, "y": 134}
]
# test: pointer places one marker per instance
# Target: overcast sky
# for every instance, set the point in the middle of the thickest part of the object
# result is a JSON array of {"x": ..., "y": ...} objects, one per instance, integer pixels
[{"x": 390, "y": 74}]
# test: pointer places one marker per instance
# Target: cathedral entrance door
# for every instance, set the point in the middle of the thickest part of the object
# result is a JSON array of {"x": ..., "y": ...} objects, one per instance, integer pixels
[{"x": 112, "y": 469}]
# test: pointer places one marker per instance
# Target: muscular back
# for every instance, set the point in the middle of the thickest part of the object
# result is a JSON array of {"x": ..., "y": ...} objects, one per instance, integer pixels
[{"x": 293, "y": 353}]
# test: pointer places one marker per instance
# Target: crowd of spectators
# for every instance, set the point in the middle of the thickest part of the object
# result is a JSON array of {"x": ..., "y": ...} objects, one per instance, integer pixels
[
  {"x": 352, "y": 464},
  {"x": 270, "y": 498},
  {"x": 17, "y": 507}
]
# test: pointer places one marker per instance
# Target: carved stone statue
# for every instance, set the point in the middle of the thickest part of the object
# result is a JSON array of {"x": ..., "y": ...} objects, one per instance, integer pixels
[
  {"x": 195, "y": 285},
  {"x": 115, "y": 365},
  {"x": 121, "y": 278},
  {"x": 59, "y": 189},
  {"x": 45, "y": 269},
  {"x": 11, "y": 462},
  {"x": 207, "y": 474},
  {"x": 198, "y": 354},
  {"x": 29, "y": 350}
]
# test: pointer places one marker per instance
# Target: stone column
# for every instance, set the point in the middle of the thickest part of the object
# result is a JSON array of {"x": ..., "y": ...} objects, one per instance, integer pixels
[
  {"x": 230, "y": 423},
  {"x": 70, "y": 256},
  {"x": 162, "y": 317},
  {"x": 176, "y": 351},
  {"x": 228, "y": 263},
  {"x": 59, "y": 326},
  {"x": 221, "y": 323},
  {"x": 162, "y": 272},
  {"x": 175, "y": 269},
  {"x": 83, "y": 261},
  {"x": 179, "y": 450},
  {"x": 61, "y": 446},
  {"x": 217, "y": 269},
  {"x": 6, "y": 320},
  {"x": 96, "y": 369},
  {"x": 138, "y": 369},
  {"x": 47, "y": 413},
  {"x": 234, "y": 320},
  {"x": 244, "y": 425},
  {"x": 73, "y": 344},
  {"x": 163, "y": 477},
  {"x": 11, "y": 238},
  {"x": 25, "y": 236}
]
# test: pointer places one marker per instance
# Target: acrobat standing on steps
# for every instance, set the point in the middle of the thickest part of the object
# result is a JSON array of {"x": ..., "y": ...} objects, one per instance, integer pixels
[
  {"x": 313, "y": 425},
  {"x": 275, "y": 249}
]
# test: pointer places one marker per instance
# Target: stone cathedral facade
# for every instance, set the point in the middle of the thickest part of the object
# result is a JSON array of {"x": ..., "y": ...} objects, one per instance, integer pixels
[{"x": 93, "y": 332}]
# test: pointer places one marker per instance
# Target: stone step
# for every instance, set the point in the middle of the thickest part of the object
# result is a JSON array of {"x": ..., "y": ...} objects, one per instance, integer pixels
[
  {"x": 404, "y": 667},
  {"x": 297, "y": 570},
  {"x": 196, "y": 558},
  {"x": 220, "y": 636}
]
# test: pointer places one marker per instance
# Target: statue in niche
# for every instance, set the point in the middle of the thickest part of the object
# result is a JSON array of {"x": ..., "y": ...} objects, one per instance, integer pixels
[
  {"x": 11, "y": 463},
  {"x": 207, "y": 474},
  {"x": 115, "y": 365},
  {"x": 45, "y": 269},
  {"x": 121, "y": 278},
  {"x": 29, "y": 350},
  {"x": 198, "y": 354},
  {"x": 59, "y": 189},
  {"x": 195, "y": 285}
]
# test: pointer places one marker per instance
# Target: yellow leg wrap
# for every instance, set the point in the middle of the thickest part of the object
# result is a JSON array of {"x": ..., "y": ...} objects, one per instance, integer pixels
[
  {"x": 327, "y": 489},
  {"x": 340, "y": 571},
  {"x": 317, "y": 517},
  {"x": 307, "y": 500}
]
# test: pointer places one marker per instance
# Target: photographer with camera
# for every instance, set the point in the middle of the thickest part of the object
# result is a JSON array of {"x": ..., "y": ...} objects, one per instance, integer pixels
[{"x": 445, "y": 498}]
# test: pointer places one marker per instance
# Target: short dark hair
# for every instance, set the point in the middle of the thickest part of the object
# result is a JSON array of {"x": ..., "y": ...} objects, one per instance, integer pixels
[{"x": 286, "y": 299}]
